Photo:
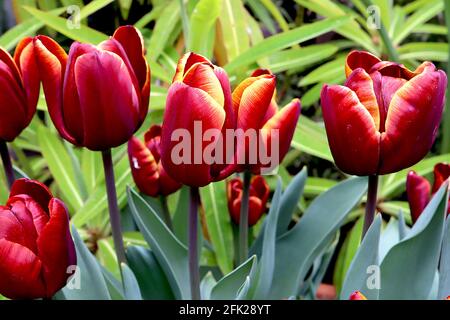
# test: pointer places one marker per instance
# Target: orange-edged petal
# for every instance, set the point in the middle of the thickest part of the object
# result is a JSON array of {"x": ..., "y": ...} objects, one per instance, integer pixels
[
  {"x": 418, "y": 191},
  {"x": 357, "y": 295},
  {"x": 181, "y": 150},
  {"x": 441, "y": 173},
  {"x": 186, "y": 62},
  {"x": 52, "y": 61},
  {"x": 351, "y": 131},
  {"x": 279, "y": 130},
  {"x": 360, "y": 59},
  {"x": 251, "y": 99},
  {"x": 25, "y": 58},
  {"x": 56, "y": 248},
  {"x": 361, "y": 83},
  {"x": 202, "y": 76},
  {"x": 412, "y": 121},
  {"x": 109, "y": 119},
  {"x": 20, "y": 272}
]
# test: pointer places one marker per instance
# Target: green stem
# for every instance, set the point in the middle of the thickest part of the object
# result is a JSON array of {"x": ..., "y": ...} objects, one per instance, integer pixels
[
  {"x": 114, "y": 213},
  {"x": 445, "y": 148},
  {"x": 194, "y": 271},
  {"x": 243, "y": 219},
  {"x": 371, "y": 203},
  {"x": 185, "y": 24},
  {"x": 7, "y": 164},
  {"x": 166, "y": 212}
]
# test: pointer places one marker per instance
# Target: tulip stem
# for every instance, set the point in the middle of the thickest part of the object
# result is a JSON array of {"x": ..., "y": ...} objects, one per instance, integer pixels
[
  {"x": 194, "y": 271},
  {"x": 7, "y": 165},
  {"x": 114, "y": 213},
  {"x": 243, "y": 219},
  {"x": 166, "y": 212},
  {"x": 371, "y": 203}
]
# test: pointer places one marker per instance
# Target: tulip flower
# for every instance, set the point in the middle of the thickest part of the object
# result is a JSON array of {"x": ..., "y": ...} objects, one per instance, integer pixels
[
  {"x": 147, "y": 170},
  {"x": 19, "y": 93},
  {"x": 419, "y": 191},
  {"x": 36, "y": 247},
  {"x": 258, "y": 196},
  {"x": 357, "y": 295},
  {"x": 97, "y": 98},
  {"x": 383, "y": 119}
]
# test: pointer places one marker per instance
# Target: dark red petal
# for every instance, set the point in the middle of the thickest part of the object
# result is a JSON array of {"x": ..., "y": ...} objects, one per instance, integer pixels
[
  {"x": 12, "y": 228},
  {"x": 360, "y": 59},
  {"x": 36, "y": 190},
  {"x": 260, "y": 188},
  {"x": 20, "y": 272},
  {"x": 167, "y": 185},
  {"x": 255, "y": 210},
  {"x": 351, "y": 131},
  {"x": 441, "y": 173},
  {"x": 56, "y": 248},
  {"x": 109, "y": 119},
  {"x": 152, "y": 140},
  {"x": 412, "y": 121},
  {"x": 23, "y": 205},
  {"x": 186, "y": 108},
  {"x": 418, "y": 190}
]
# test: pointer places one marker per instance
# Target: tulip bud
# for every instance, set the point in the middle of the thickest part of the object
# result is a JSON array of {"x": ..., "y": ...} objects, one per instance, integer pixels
[
  {"x": 36, "y": 247},
  {"x": 258, "y": 196},
  {"x": 148, "y": 172},
  {"x": 98, "y": 96},
  {"x": 385, "y": 117},
  {"x": 256, "y": 109},
  {"x": 357, "y": 295},
  {"x": 19, "y": 93},
  {"x": 419, "y": 191}
]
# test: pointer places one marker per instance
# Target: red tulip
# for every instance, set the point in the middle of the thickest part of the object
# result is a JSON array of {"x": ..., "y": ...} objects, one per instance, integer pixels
[
  {"x": 98, "y": 96},
  {"x": 385, "y": 117},
  {"x": 35, "y": 243},
  {"x": 258, "y": 196},
  {"x": 19, "y": 93},
  {"x": 256, "y": 109},
  {"x": 357, "y": 295},
  {"x": 200, "y": 95},
  {"x": 419, "y": 191},
  {"x": 148, "y": 172}
]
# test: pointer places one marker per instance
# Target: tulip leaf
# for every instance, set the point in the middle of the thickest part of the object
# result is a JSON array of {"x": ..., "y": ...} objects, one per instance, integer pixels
[
  {"x": 267, "y": 260},
  {"x": 214, "y": 202},
  {"x": 152, "y": 281},
  {"x": 115, "y": 287},
  {"x": 311, "y": 138},
  {"x": 283, "y": 40},
  {"x": 434, "y": 51},
  {"x": 389, "y": 238},
  {"x": 244, "y": 290},
  {"x": 107, "y": 256},
  {"x": 408, "y": 270},
  {"x": 444, "y": 267},
  {"x": 130, "y": 284},
  {"x": 180, "y": 217},
  {"x": 91, "y": 285},
  {"x": 58, "y": 161},
  {"x": 312, "y": 233},
  {"x": 171, "y": 254},
  {"x": 357, "y": 277},
  {"x": 208, "y": 282},
  {"x": 203, "y": 18},
  {"x": 228, "y": 287},
  {"x": 315, "y": 186}
]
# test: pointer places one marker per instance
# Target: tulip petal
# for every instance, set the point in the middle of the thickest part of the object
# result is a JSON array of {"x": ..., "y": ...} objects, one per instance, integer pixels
[
  {"x": 56, "y": 248},
  {"x": 20, "y": 272},
  {"x": 202, "y": 76},
  {"x": 12, "y": 229},
  {"x": 255, "y": 210},
  {"x": 167, "y": 185},
  {"x": 198, "y": 108},
  {"x": 360, "y": 59},
  {"x": 36, "y": 190},
  {"x": 418, "y": 191},
  {"x": 280, "y": 130},
  {"x": 352, "y": 134},
  {"x": 52, "y": 62},
  {"x": 251, "y": 99},
  {"x": 186, "y": 62},
  {"x": 25, "y": 59},
  {"x": 441, "y": 173},
  {"x": 23, "y": 205},
  {"x": 12, "y": 64},
  {"x": 412, "y": 121},
  {"x": 109, "y": 104},
  {"x": 361, "y": 83},
  {"x": 260, "y": 188}
]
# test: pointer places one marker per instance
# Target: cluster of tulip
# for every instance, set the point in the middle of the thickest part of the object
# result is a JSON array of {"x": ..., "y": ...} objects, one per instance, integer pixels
[{"x": 98, "y": 97}]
